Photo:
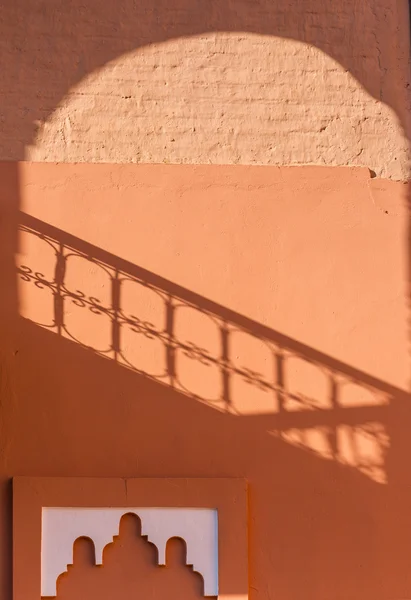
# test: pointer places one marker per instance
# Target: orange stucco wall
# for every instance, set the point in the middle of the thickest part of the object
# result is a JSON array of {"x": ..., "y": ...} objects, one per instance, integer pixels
[
  {"x": 187, "y": 321},
  {"x": 237, "y": 304}
]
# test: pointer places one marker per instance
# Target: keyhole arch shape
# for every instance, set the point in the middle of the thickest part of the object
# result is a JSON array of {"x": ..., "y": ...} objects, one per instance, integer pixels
[
  {"x": 132, "y": 559},
  {"x": 61, "y": 527}
]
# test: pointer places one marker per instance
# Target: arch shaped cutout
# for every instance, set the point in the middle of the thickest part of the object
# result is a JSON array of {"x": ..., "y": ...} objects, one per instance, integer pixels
[
  {"x": 60, "y": 528},
  {"x": 219, "y": 497}
]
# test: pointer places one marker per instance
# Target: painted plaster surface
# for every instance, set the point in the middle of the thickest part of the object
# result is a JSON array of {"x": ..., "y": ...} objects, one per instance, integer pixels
[
  {"x": 168, "y": 321},
  {"x": 315, "y": 253},
  {"x": 200, "y": 316},
  {"x": 103, "y": 552},
  {"x": 228, "y": 83}
]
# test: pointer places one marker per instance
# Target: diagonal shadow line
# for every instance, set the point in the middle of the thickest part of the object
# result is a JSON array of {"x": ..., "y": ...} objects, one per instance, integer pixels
[
  {"x": 294, "y": 417},
  {"x": 204, "y": 304}
]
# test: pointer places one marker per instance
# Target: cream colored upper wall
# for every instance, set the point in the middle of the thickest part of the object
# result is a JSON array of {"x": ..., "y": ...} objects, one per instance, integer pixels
[
  {"x": 225, "y": 99},
  {"x": 171, "y": 84}
]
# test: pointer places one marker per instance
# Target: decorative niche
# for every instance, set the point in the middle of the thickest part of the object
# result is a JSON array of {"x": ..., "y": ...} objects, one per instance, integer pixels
[{"x": 206, "y": 517}]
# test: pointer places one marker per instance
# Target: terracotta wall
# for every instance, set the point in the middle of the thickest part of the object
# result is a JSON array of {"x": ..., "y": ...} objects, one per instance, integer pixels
[
  {"x": 220, "y": 321},
  {"x": 214, "y": 320}
]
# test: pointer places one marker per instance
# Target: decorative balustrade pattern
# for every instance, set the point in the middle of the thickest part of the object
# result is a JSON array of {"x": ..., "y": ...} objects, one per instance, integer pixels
[{"x": 243, "y": 367}]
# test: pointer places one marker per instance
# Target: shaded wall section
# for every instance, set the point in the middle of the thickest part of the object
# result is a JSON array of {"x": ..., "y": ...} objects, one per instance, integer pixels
[{"x": 220, "y": 321}]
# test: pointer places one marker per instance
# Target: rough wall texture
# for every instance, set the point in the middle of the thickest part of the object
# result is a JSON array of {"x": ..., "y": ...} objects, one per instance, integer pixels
[
  {"x": 216, "y": 82},
  {"x": 224, "y": 99}
]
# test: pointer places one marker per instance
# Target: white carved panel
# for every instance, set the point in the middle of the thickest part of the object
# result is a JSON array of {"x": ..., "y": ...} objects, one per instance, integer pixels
[{"x": 62, "y": 526}]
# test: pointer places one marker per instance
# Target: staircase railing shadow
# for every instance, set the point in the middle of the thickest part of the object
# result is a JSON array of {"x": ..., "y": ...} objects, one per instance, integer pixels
[{"x": 349, "y": 423}]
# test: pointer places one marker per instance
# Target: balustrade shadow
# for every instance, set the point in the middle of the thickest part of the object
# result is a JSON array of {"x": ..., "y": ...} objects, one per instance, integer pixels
[
  {"x": 326, "y": 473},
  {"x": 345, "y": 416}
]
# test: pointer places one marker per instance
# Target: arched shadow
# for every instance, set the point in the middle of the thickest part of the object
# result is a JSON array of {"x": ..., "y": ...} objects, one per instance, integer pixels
[{"x": 369, "y": 41}]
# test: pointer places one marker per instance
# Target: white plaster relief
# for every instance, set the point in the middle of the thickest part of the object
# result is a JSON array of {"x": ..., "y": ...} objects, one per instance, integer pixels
[{"x": 62, "y": 526}]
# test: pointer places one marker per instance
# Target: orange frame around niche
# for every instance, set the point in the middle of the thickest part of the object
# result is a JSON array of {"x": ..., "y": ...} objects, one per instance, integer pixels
[{"x": 228, "y": 496}]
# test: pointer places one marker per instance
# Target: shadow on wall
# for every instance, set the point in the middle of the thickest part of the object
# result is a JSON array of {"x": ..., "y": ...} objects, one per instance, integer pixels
[
  {"x": 130, "y": 569},
  {"x": 325, "y": 528},
  {"x": 323, "y": 471},
  {"x": 49, "y": 47},
  {"x": 206, "y": 351}
]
